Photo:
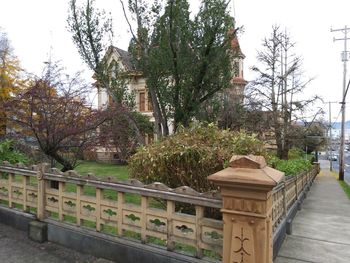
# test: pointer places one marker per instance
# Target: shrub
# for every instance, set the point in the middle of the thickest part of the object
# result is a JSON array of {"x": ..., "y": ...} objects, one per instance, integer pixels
[
  {"x": 190, "y": 155},
  {"x": 8, "y": 153},
  {"x": 272, "y": 160},
  {"x": 293, "y": 167},
  {"x": 295, "y": 153}
]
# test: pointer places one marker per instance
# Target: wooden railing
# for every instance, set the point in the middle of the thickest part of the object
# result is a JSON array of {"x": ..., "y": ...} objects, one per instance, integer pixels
[
  {"x": 286, "y": 193},
  {"x": 178, "y": 219}
]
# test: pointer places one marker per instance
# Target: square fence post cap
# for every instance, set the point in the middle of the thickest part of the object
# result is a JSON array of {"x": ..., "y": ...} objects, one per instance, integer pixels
[
  {"x": 247, "y": 171},
  {"x": 250, "y": 161}
]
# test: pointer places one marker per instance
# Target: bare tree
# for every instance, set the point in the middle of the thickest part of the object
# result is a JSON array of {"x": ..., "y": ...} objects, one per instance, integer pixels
[{"x": 278, "y": 86}]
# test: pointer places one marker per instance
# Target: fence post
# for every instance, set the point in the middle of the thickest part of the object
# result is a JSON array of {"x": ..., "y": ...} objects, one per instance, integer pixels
[
  {"x": 284, "y": 200},
  {"x": 318, "y": 167},
  {"x": 246, "y": 189},
  {"x": 41, "y": 191}
]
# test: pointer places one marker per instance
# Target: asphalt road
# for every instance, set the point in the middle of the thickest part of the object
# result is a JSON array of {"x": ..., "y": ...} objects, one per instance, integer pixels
[{"x": 336, "y": 165}]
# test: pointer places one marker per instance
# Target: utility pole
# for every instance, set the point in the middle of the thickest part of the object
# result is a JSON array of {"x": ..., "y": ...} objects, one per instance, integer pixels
[
  {"x": 342, "y": 136},
  {"x": 330, "y": 138}
]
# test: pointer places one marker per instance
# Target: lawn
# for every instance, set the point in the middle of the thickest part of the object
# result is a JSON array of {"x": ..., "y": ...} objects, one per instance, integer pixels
[{"x": 103, "y": 170}]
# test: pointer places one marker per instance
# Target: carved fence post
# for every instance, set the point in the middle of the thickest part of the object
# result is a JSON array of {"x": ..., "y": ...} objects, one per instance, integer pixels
[
  {"x": 246, "y": 189},
  {"x": 41, "y": 191}
]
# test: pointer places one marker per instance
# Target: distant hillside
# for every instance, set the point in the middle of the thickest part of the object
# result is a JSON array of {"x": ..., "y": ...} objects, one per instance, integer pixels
[{"x": 337, "y": 125}]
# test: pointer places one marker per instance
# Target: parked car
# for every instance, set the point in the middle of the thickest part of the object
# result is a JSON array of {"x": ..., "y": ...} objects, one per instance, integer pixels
[{"x": 334, "y": 157}]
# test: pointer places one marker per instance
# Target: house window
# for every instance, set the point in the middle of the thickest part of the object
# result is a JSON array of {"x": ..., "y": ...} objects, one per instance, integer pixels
[
  {"x": 236, "y": 69},
  {"x": 142, "y": 101},
  {"x": 150, "y": 106}
]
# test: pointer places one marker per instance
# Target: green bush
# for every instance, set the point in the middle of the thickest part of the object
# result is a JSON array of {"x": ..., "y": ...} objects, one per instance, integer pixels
[
  {"x": 190, "y": 155},
  {"x": 293, "y": 167},
  {"x": 295, "y": 153},
  {"x": 272, "y": 160},
  {"x": 8, "y": 153},
  {"x": 295, "y": 164}
]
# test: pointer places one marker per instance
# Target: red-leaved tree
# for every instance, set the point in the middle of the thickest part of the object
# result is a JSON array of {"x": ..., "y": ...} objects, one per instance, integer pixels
[{"x": 54, "y": 109}]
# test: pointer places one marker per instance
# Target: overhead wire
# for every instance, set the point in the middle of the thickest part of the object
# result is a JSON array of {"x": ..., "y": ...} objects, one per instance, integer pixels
[{"x": 337, "y": 117}]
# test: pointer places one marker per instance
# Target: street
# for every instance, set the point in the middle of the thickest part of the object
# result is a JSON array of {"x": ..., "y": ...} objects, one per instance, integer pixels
[{"x": 336, "y": 165}]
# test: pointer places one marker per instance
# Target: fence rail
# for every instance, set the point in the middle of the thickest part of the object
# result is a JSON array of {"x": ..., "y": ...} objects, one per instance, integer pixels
[
  {"x": 288, "y": 192},
  {"x": 177, "y": 219}
]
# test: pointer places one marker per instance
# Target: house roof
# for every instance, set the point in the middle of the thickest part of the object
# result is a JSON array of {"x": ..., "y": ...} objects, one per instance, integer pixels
[
  {"x": 124, "y": 56},
  {"x": 236, "y": 48},
  {"x": 238, "y": 80}
]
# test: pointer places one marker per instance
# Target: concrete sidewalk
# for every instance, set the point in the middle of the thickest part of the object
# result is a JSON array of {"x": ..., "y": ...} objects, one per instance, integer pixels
[
  {"x": 15, "y": 247},
  {"x": 321, "y": 230}
]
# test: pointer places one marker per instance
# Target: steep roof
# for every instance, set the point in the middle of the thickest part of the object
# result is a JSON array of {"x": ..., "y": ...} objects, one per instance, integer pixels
[
  {"x": 124, "y": 56},
  {"x": 239, "y": 81},
  {"x": 235, "y": 44}
]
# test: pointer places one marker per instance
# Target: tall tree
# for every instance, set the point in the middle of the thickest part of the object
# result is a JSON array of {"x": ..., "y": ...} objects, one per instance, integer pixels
[
  {"x": 185, "y": 60},
  {"x": 278, "y": 83},
  {"x": 146, "y": 14},
  {"x": 91, "y": 29},
  {"x": 9, "y": 77}
]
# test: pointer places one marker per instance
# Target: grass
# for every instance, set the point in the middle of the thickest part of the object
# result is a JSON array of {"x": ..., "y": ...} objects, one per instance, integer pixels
[
  {"x": 345, "y": 187},
  {"x": 343, "y": 184},
  {"x": 102, "y": 170}
]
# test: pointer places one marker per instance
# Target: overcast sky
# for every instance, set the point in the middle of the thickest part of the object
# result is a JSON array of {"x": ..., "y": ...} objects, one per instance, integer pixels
[{"x": 37, "y": 26}]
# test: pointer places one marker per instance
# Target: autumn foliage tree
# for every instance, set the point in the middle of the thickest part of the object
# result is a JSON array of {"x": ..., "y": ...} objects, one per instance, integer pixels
[
  {"x": 9, "y": 77},
  {"x": 55, "y": 110}
]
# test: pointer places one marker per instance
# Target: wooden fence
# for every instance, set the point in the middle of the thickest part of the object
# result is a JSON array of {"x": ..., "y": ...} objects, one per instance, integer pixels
[
  {"x": 177, "y": 219},
  {"x": 288, "y": 192}
]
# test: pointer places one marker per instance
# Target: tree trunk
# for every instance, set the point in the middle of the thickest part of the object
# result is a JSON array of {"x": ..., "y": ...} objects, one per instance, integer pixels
[
  {"x": 67, "y": 165},
  {"x": 157, "y": 114},
  {"x": 284, "y": 154},
  {"x": 279, "y": 144}
]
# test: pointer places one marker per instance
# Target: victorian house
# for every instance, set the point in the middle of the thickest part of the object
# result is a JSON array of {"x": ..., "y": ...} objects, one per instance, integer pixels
[{"x": 137, "y": 84}]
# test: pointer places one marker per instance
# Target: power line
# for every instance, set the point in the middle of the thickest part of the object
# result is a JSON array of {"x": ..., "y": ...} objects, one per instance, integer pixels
[
  {"x": 337, "y": 117},
  {"x": 330, "y": 103}
]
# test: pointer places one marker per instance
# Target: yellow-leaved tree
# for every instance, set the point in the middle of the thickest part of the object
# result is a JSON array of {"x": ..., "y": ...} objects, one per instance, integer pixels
[{"x": 9, "y": 77}]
